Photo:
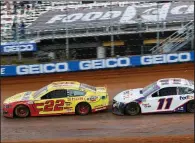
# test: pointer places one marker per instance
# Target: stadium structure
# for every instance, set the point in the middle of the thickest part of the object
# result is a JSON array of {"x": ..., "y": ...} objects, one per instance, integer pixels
[{"x": 77, "y": 30}]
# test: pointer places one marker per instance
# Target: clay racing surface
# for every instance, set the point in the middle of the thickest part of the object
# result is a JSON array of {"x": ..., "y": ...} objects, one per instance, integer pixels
[{"x": 102, "y": 126}]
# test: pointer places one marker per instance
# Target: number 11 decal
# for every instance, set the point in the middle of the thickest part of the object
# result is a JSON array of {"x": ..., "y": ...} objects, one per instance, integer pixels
[{"x": 162, "y": 101}]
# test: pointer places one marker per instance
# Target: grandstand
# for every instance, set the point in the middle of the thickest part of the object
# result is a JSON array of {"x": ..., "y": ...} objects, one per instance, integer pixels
[{"x": 74, "y": 30}]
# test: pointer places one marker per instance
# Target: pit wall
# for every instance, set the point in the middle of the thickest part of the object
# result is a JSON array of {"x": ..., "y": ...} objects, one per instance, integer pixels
[{"x": 84, "y": 65}]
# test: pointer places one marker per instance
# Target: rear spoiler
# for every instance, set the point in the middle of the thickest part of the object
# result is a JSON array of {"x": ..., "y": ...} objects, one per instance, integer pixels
[{"x": 101, "y": 89}]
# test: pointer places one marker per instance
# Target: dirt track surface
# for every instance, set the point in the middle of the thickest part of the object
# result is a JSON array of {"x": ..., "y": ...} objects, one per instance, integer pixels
[{"x": 105, "y": 124}]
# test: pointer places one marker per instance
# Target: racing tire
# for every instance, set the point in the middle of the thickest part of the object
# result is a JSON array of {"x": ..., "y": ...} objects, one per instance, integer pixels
[
  {"x": 83, "y": 109},
  {"x": 132, "y": 109},
  {"x": 21, "y": 111},
  {"x": 191, "y": 106}
]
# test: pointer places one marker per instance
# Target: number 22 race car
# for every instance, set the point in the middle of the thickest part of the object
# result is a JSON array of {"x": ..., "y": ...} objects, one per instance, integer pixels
[
  {"x": 164, "y": 95},
  {"x": 63, "y": 97}
]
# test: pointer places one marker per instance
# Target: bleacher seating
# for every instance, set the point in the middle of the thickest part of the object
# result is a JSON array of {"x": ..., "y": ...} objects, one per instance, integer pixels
[{"x": 29, "y": 11}]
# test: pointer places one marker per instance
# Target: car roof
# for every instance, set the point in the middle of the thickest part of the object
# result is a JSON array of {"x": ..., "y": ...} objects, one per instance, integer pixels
[
  {"x": 64, "y": 84},
  {"x": 179, "y": 82}
]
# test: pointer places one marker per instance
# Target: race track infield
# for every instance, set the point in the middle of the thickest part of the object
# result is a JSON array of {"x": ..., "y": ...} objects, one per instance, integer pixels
[{"x": 101, "y": 127}]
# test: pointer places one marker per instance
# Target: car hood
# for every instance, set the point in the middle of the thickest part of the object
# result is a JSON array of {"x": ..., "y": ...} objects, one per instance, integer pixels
[
  {"x": 24, "y": 96},
  {"x": 129, "y": 95}
]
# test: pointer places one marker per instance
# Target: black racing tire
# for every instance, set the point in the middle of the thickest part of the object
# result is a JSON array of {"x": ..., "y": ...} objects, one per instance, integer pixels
[
  {"x": 191, "y": 106},
  {"x": 132, "y": 109},
  {"x": 83, "y": 109},
  {"x": 21, "y": 111}
]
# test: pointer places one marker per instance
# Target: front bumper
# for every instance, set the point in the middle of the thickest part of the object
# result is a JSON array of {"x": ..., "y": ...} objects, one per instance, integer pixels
[
  {"x": 7, "y": 112},
  {"x": 118, "y": 108}
]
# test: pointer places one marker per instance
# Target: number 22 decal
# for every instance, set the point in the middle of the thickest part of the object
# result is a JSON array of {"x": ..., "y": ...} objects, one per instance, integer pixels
[
  {"x": 49, "y": 105},
  {"x": 162, "y": 101}
]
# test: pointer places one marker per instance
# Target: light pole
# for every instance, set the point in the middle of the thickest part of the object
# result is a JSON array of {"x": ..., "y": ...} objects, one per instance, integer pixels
[
  {"x": 157, "y": 34},
  {"x": 67, "y": 40},
  {"x": 111, "y": 29},
  {"x": 17, "y": 39}
]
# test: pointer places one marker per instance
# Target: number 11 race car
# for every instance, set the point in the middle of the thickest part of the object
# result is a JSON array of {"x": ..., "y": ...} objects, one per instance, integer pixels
[
  {"x": 164, "y": 95},
  {"x": 64, "y": 97}
]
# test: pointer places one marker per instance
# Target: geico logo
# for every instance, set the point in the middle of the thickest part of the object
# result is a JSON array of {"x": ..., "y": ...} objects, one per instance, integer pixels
[
  {"x": 126, "y": 14},
  {"x": 41, "y": 68},
  {"x": 105, "y": 63},
  {"x": 16, "y": 48},
  {"x": 2, "y": 71},
  {"x": 166, "y": 58}
]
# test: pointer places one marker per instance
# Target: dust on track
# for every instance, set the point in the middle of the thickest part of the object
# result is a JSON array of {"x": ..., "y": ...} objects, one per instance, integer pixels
[{"x": 103, "y": 124}]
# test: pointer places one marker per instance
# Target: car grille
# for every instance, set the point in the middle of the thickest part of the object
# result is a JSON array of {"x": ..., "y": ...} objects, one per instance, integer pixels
[{"x": 114, "y": 101}]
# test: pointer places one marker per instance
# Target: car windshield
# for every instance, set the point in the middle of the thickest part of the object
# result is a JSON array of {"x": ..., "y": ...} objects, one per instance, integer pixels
[
  {"x": 40, "y": 91},
  {"x": 89, "y": 87},
  {"x": 150, "y": 89}
]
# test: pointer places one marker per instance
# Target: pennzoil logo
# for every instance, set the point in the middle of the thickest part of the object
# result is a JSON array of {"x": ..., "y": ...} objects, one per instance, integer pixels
[{"x": 76, "y": 98}]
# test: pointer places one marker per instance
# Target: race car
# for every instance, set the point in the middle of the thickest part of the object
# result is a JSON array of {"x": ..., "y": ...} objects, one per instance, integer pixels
[
  {"x": 63, "y": 97},
  {"x": 164, "y": 95}
]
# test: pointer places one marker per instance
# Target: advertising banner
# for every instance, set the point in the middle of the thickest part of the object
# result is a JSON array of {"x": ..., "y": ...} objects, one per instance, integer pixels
[
  {"x": 99, "y": 17},
  {"x": 71, "y": 66},
  {"x": 8, "y": 48}
]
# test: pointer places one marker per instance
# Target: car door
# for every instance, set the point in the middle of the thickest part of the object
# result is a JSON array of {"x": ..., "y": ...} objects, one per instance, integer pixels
[
  {"x": 52, "y": 102},
  {"x": 185, "y": 94},
  {"x": 75, "y": 96},
  {"x": 162, "y": 100}
]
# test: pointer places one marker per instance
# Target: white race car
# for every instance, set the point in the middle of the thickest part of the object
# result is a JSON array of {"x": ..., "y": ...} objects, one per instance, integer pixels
[{"x": 164, "y": 95}]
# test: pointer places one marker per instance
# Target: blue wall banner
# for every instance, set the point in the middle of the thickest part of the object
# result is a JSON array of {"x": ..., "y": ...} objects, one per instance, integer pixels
[
  {"x": 7, "y": 48},
  {"x": 131, "y": 61}
]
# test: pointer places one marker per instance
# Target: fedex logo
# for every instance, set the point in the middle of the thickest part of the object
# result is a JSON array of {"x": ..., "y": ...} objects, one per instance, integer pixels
[
  {"x": 186, "y": 97},
  {"x": 17, "y": 48}
]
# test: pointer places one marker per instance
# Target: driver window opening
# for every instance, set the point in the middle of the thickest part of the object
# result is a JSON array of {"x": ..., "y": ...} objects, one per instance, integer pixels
[
  {"x": 168, "y": 91},
  {"x": 55, "y": 94},
  {"x": 73, "y": 93},
  {"x": 184, "y": 90}
]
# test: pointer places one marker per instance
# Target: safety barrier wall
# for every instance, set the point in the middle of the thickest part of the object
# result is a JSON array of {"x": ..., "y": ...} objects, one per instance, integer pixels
[{"x": 70, "y": 66}]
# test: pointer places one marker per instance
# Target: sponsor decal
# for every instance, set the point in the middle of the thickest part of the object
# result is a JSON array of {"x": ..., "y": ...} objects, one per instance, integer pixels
[
  {"x": 146, "y": 105},
  {"x": 92, "y": 98},
  {"x": 68, "y": 110},
  {"x": 127, "y": 94},
  {"x": 68, "y": 103},
  {"x": 30, "y": 102},
  {"x": 100, "y": 109},
  {"x": 76, "y": 99},
  {"x": 186, "y": 97},
  {"x": 26, "y": 95}
]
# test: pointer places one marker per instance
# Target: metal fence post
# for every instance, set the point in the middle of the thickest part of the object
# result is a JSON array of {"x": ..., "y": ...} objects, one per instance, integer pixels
[
  {"x": 18, "y": 44},
  {"x": 157, "y": 34}
]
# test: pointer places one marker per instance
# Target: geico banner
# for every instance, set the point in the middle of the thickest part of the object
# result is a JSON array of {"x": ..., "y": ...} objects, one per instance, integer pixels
[
  {"x": 16, "y": 47},
  {"x": 71, "y": 66},
  {"x": 79, "y": 18}
]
